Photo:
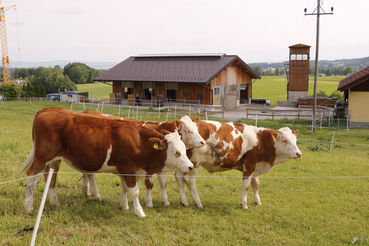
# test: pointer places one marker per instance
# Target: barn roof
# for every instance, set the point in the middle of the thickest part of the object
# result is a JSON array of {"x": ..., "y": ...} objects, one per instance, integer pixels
[
  {"x": 191, "y": 68},
  {"x": 299, "y": 46},
  {"x": 354, "y": 79}
]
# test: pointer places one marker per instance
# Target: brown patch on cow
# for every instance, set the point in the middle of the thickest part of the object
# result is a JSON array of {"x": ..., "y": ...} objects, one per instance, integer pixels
[
  {"x": 205, "y": 129},
  {"x": 232, "y": 158},
  {"x": 148, "y": 182},
  {"x": 225, "y": 133},
  {"x": 263, "y": 151},
  {"x": 239, "y": 127},
  {"x": 219, "y": 145}
]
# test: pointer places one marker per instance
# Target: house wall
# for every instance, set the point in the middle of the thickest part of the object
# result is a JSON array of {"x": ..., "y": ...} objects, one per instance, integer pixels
[{"x": 357, "y": 105}]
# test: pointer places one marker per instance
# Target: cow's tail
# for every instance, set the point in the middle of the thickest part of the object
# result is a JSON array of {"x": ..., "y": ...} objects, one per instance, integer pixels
[{"x": 28, "y": 161}]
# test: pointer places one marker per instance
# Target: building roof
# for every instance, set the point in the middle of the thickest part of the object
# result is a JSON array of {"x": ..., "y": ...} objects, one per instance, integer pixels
[
  {"x": 191, "y": 68},
  {"x": 354, "y": 79},
  {"x": 299, "y": 46}
]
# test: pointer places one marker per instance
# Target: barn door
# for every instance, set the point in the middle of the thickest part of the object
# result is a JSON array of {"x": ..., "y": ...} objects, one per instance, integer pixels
[{"x": 218, "y": 95}]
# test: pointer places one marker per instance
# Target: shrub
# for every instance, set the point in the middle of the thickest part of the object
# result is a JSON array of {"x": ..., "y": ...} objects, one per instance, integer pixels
[{"x": 9, "y": 91}]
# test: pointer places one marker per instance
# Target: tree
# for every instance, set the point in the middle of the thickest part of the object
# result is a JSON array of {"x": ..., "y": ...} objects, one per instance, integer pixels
[
  {"x": 52, "y": 79},
  {"x": 348, "y": 70},
  {"x": 80, "y": 73},
  {"x": 9, "y": 91},
  {"x": 258, "y": 70}
]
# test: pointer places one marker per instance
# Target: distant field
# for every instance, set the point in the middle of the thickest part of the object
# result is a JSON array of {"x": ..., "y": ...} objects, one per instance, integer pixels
[
  {"x": 96, "y": 90},
  {"x": 275, "y": 87},
  {"x": 270, "y": 87},
  {"x": 319, "y": 208}
]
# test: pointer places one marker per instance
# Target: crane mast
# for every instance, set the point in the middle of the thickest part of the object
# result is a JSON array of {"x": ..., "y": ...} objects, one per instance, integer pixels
[{"x": 4, "y": 44}]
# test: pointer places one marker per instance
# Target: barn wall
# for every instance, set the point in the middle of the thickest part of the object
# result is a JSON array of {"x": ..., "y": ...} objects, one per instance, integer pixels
[
  {"x": 234, "y": 74},
  {"x": 357, "y": 105}
]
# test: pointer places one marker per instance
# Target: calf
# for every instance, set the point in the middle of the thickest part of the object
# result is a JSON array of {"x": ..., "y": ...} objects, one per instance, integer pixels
[
  {"x": 249, "y": 149},
  {"x": 95, "y": 144}
]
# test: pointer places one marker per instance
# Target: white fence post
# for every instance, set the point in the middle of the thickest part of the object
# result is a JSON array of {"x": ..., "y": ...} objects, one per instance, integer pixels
[
  {"x": 166, "y": 119},
  {"x": 159, "y": 112},
  {"x": 175, "y": 111},
  {"x": 137, "y": 112},
  {"x": 84, "y": 107},
  {"x": 102, "y": 107},
  {"x": 129, "y": 111},
  {"x": 119, "y": 109},
  {"x": 71, "y": 105},
  {"x": 38, "y": 219},
  {"x": 206, "y": 115},
  {"x": 98, "y": 106},
  {"x": 256, "y": 120}
]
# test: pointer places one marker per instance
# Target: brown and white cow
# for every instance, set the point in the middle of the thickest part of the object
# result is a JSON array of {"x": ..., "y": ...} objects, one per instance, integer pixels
[
  {"x": 249, "y": 149},
  {"x": 95, "y": 144}
]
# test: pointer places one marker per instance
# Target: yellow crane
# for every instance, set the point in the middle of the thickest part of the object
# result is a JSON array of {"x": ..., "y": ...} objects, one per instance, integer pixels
[{"x": 4, "y": 43}]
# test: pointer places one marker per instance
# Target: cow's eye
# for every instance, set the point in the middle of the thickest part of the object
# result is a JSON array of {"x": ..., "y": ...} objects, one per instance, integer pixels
[
  {"x": 177, "y": 154},
  {"x": 285, "y": 141}
]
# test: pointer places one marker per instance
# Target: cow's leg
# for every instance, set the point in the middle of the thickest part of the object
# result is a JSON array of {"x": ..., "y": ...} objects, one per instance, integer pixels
[
  {"x": 181, "y": 183},
  {"x": 162, "y": 177},
  {"x": 86, "y": 185},
  {"x": 135, "y": 192},
  {"x": 149, "y": 183},
  {"x": 246, "y": 182},
  {"x": 52, "y": 193},
  {"x": 255, "y": 188},
  {"x": 32, "y": 178},
  {"x": 94, "y": 191},
  {"x": 123, "y": 199},
  {"x": 191, "y": 183}
]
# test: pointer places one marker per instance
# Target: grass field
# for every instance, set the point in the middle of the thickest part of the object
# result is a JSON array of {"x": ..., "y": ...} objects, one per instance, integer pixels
[
  {"x": 271, "y": 87},
  {"x": 295, "y": 211},
  {"x": 274, "y": 87}
]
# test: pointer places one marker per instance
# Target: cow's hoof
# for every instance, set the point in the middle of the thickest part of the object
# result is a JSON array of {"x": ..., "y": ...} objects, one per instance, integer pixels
[
  {"x": 199, "y": 205},
  {"x": 149, "y": 205},
  {"x": 257, "y": 203},
  {"x": 125, "y": 208},
  {"x": 166, "y": 204},
  {"x": 185, "y": 204},
  {"x": 244, "y": 207}
]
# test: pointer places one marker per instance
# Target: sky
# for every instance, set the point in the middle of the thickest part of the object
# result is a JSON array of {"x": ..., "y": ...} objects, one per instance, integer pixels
[{"x": 112, "y": 30}]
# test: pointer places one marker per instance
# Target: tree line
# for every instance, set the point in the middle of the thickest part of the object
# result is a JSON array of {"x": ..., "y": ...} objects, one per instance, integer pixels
[{"x": 43, "y": 80}]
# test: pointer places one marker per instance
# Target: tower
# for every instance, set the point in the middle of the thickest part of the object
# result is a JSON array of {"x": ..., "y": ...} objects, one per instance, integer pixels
[{"x": 298, "y": 83}]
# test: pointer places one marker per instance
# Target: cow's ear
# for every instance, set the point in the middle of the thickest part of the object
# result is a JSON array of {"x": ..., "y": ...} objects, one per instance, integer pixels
[
  {"x": 178, "y": 125},
  {"x": 196, "y": 120},
  {"x": 157, "y": 143},
  {"x": 164, "y": 131},
  {"x": 275, "y": 136},
  {"x": 295, "y": 132}
]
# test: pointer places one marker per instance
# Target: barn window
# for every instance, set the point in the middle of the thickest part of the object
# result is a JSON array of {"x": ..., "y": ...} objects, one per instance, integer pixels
[
  {"x": 293, "y": 57},
  {"x": 216, "y": 91},
  {"x": 199, "y": 98},
  {"x": 304, "y": 57}
]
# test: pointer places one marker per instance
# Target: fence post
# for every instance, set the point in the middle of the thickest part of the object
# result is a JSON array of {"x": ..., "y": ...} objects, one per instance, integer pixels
[
  {"x": 330, "y": 147},
  {"x": 71, "y": 105},
  {"x": 206, "y": 115},
  {"x": 321, "y": 119},
  {"x": 119, "y": 109},
  {"x": 137, "y": 112},
  {"x": 175, "y": 111},
  {"x": 329, "y": 120},
  {"x": 166, "y": 119},
  {"x": 159, "y": 112},
  {"x": 256, "y": 120},
  {"x": 129, "y": 111},
  {"x": 84, "y": 107},
  {"x": 247, "y": 113},
  {"x": 98, "y": 107},
  {"x": 272, "y": 115},
  {"x": 102, "y": 107},
  {"x": 44, "y": 195}
]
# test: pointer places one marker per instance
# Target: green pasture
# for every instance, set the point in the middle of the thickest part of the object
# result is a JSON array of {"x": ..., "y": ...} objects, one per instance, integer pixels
[
  {"x": 275, "y": 87},
  {"x": 321, "y": 199},
  {"x": 270, "y": 87}
]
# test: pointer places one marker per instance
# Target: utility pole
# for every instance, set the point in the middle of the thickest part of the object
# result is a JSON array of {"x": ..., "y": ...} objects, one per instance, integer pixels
[{"x": 317, "y": 12}]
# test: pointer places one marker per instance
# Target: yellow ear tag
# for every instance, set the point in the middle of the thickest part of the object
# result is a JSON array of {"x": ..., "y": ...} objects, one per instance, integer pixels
[
  {"x": 156, "y": 146},
  {"x": 273, "y": 138},
  {"x": 178, "y": 128}
]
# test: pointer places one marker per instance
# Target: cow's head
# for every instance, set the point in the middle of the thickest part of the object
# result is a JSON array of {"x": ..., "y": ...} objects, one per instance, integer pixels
[
  {"x": 190, "y": 133},
  {"x": 176, "y": 151},
  {"x": 285, "y": 143}
]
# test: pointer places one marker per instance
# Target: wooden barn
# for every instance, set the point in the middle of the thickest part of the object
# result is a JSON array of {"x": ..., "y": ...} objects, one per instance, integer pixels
[
  {"x": 356, "y": 89},
  {"x": 212, "y": 79}
]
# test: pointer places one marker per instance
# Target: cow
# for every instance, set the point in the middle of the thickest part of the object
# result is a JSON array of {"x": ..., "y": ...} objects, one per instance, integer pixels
[
  {"x": 251, "y": 150},
  {"x": 189, "y": 135},
  {"x": 95, "y": 144}
]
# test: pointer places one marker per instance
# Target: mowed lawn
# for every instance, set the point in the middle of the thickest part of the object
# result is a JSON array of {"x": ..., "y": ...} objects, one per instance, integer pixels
[
  {"x": 317, "y": 200},
  {"x": 99, "y": 91}
]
